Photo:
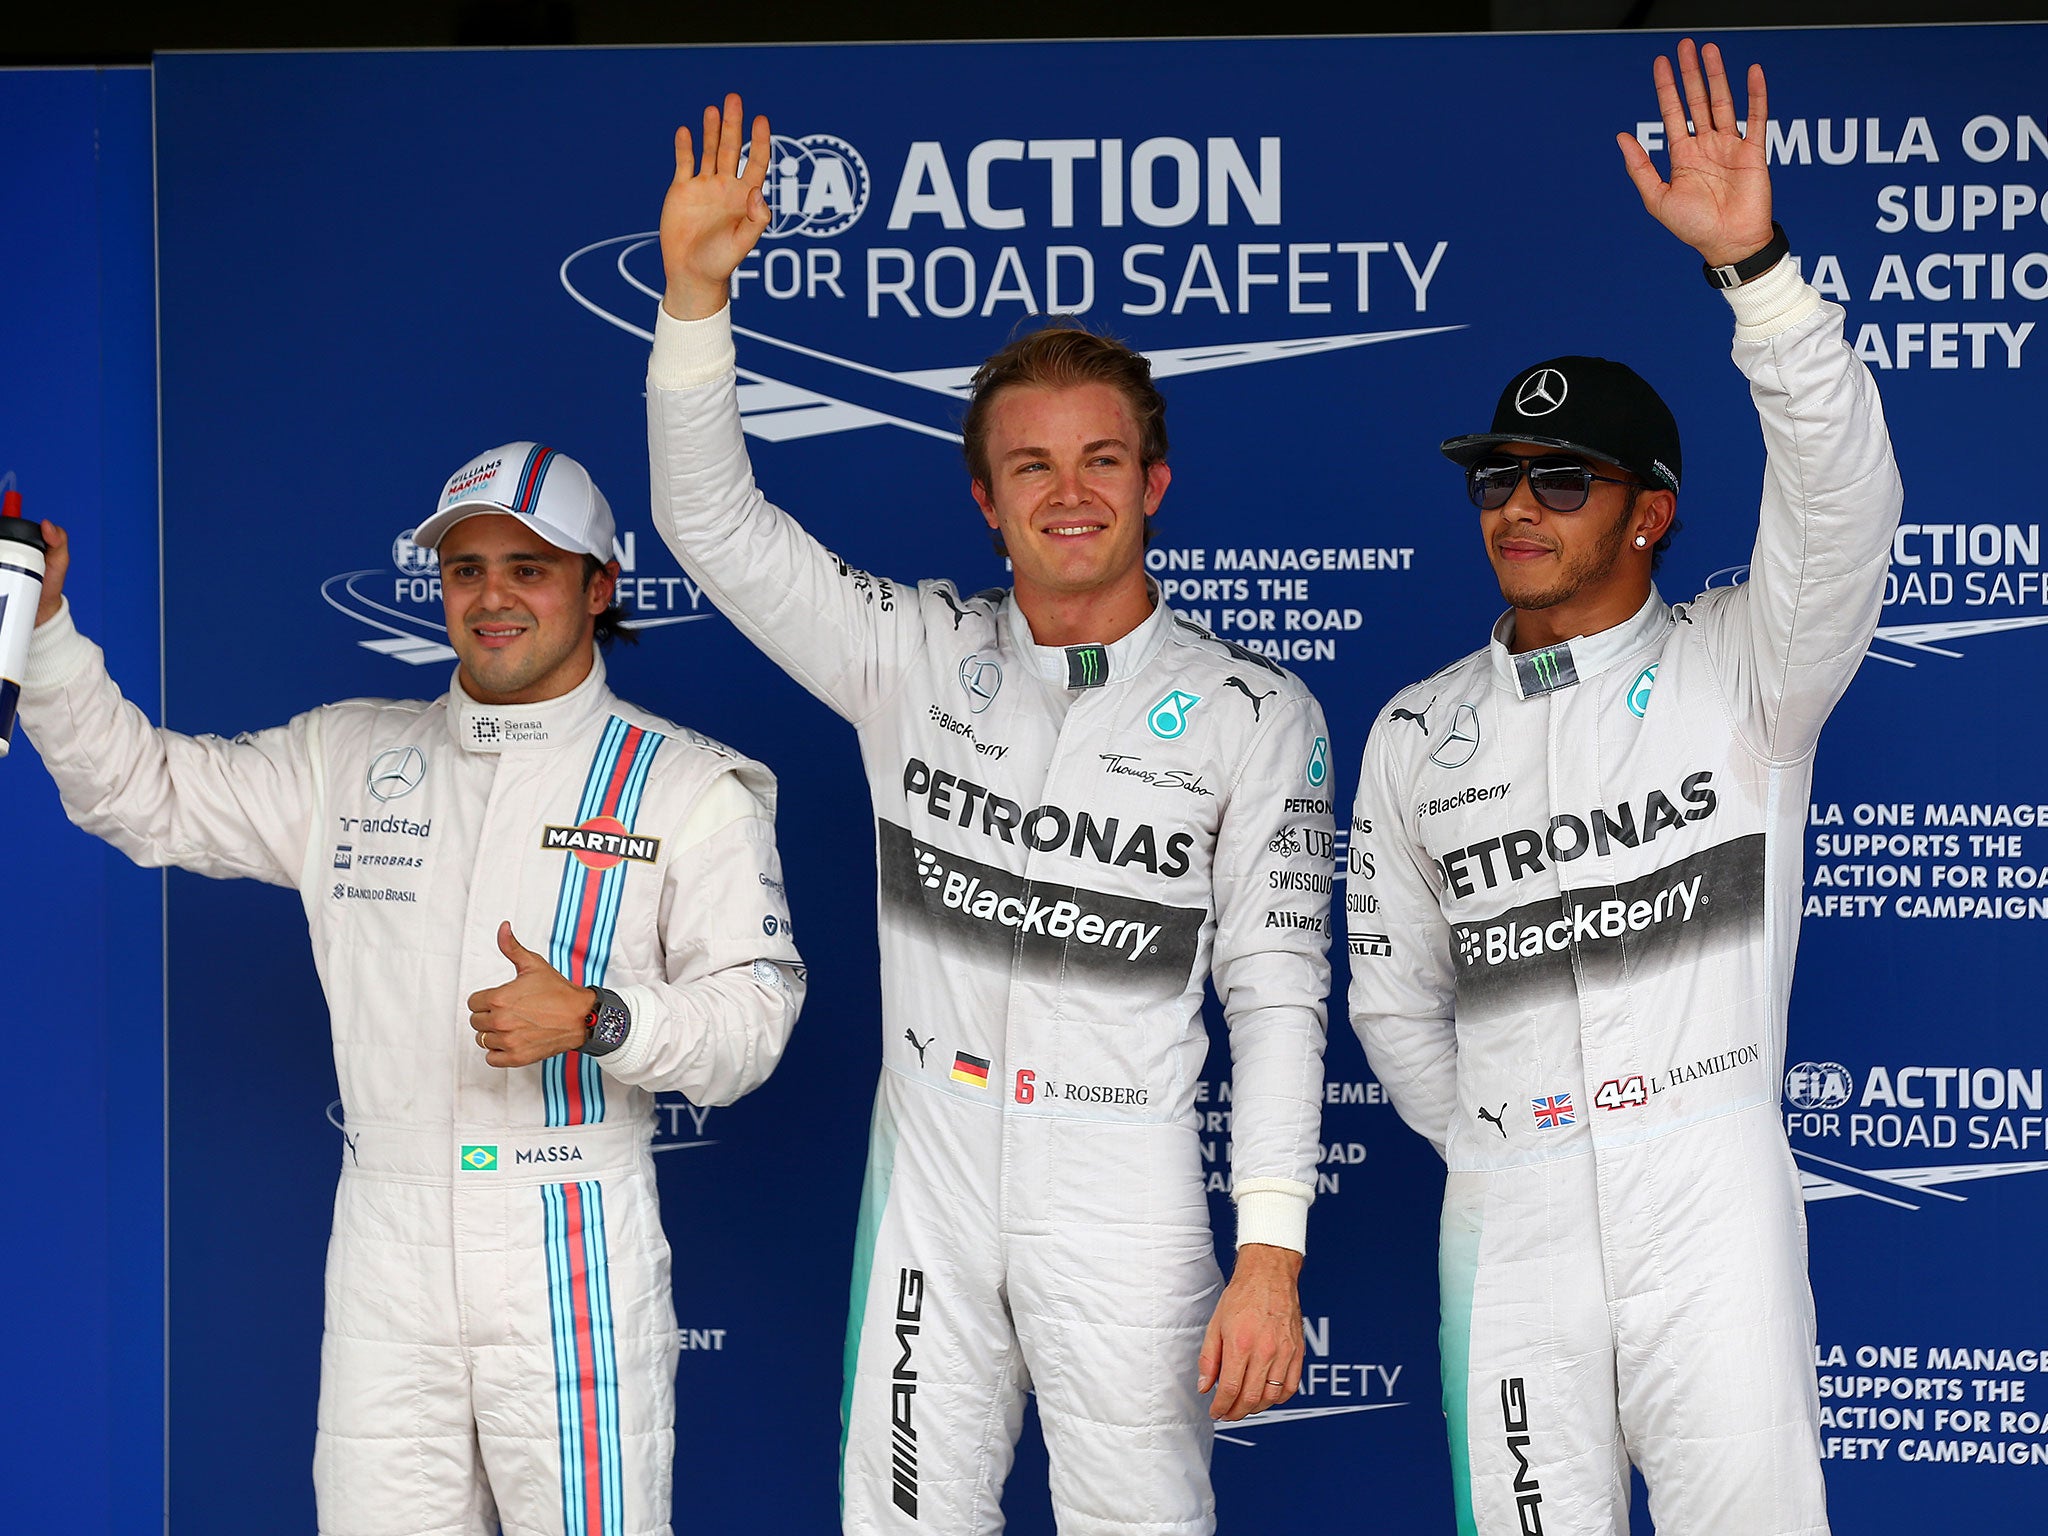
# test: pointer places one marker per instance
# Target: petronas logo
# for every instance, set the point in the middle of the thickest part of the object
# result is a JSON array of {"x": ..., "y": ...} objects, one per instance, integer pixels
[{"x": 1169, "y": 717}]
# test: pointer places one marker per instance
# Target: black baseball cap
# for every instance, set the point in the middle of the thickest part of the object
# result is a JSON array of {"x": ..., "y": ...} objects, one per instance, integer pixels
[{"x": 1586, "y": 405}]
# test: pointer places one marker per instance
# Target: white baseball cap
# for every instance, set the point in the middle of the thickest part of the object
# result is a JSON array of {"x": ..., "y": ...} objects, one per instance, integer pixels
[{"x": 548, "y": 491}]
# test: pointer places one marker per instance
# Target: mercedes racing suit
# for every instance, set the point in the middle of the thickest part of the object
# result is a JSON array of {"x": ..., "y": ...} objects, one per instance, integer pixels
[
  {"x": 1068, "y": 843},
  {"x": 500, "y": 1340},
  {"x": 1573, "y": 900}
]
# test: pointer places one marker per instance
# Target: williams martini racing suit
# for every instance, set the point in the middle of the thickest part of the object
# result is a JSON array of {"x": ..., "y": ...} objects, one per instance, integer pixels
[
  {"x": 1573, "y": 899},
  {"x": 500, "y": 1339},
  {"x": 1068, "y": 842}
]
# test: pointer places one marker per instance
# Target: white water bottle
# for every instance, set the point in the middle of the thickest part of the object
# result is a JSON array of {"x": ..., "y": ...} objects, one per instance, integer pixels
[{"x": 21, "y": 589}]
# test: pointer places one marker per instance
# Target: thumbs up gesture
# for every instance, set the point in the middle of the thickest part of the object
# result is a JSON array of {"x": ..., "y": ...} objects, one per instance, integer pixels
[{"x": 535, "y": 1015}]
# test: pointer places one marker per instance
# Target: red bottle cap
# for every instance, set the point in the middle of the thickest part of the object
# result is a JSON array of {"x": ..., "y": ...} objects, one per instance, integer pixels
[{"x": 10, "y": 504}]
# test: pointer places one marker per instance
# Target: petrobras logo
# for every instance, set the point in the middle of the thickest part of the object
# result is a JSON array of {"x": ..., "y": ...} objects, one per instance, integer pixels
[
  {"x": 1905, "y": 1135},
  {"x": 401, "y": 604},
  {"x": 817, "y": 185}
]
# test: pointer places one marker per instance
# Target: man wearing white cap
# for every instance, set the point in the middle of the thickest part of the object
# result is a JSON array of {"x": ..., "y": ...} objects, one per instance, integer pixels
[{"x": 500, "y": 1341}]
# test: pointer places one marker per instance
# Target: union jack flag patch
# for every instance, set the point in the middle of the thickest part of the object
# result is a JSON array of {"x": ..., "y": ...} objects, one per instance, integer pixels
[{"x": 1553, "y": 1111}]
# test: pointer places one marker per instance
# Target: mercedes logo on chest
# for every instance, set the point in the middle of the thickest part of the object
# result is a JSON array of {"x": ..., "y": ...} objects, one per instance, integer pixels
[{"x": 1541, "y": 393}]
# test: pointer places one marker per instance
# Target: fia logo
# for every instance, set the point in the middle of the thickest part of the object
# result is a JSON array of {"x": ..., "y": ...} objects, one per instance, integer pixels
[
  {"x": 1168, "y": 718},
  {"x": 1819, "y": 1085},
  {"x": 817, "y": 185}
]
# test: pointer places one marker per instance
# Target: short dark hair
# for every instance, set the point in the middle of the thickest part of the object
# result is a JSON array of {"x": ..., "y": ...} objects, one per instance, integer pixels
[
  {"x": 1058, "y": 355},
  {"x": 615, "y": 623}
]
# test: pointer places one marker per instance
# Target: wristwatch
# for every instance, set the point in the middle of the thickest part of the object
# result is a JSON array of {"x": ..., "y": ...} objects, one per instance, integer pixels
[
  {"x": 609, "y": 1022},
  {"x": 1738, "y": 273}
]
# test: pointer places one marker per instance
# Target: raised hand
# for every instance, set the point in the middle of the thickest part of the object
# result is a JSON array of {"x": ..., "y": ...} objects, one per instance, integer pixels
[
  {"x": 1718, "y": 200},
  {"x": 713, "y": 213},
  {"x": 535, "y": 1015}
]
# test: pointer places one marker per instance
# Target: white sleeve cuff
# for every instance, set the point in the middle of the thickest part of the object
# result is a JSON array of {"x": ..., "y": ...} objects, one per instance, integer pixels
[
  {"x": 690, "y": 352},
  {"x": 1775, "y": 302},
  {"x": 1273, "y": 1211},
  {"x": 57, "y": 652},
  {"x": 630, "y": 1058}
]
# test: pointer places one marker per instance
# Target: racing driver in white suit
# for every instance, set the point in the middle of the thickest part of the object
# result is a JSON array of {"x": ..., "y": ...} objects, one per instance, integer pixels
[
  {"x": 1085, "y": 807},
  {"x": 1574, "y": 895},
  {"x": 500, "y": 1338}
]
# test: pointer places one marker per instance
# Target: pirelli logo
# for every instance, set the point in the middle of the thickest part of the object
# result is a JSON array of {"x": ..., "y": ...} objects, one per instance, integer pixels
[{"x": 601, "y": 842}]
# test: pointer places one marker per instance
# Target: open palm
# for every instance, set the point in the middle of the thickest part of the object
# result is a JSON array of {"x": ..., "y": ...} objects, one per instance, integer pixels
[
  {"x": 1718, "y": 200},
  {"x": 714, "y": 212}
]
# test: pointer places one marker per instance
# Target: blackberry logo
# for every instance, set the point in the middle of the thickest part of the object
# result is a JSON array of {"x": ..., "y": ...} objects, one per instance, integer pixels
[
  {"x": 1468, "y": 945},
  {"x": 930, "y": 872}
]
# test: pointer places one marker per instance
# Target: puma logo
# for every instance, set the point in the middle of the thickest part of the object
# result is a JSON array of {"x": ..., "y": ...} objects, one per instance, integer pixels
[
  {"x": 1488, "y": 1115},
  {"x": 1257, "y": 698},
  {"x": 911, "y": 1036},
  {"x": 1420, "y": 717},
  {"x": 959, "y": 613}
]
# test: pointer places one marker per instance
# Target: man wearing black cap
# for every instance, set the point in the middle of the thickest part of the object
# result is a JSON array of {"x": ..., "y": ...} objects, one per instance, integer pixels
[{"x": 1573, "y": 902}]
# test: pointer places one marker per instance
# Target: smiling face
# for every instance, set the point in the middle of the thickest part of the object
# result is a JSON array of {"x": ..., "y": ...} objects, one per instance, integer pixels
[
  {"x": 520, "y": 615},
  {"x": 1068, "y": 495},
  {"x": 1544, "y": 559}
]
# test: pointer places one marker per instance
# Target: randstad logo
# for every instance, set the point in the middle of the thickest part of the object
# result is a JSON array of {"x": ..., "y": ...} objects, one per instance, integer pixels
[
  {"x": 817, "y": 185},
  {"x": 479, "y": 1159},
  {"x": 1169, "y": 717}
]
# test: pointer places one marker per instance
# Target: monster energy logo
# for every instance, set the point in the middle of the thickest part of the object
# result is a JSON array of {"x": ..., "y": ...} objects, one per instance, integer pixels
[
  {"x": 1087, "y": 666},
  {"x": 1546, "y": 671}
]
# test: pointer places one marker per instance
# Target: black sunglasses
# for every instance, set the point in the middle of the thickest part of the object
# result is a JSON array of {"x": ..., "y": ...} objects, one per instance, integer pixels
[{"x": 1558, "y": 483}]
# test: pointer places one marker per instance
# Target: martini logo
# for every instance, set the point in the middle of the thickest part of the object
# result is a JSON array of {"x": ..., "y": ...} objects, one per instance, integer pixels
[
  {"x": 601, "y": 842},
  {"x": 817, "y": 185},
  {"x": 1168, "y": 718},
  {"x": 479, "y": 1159}
]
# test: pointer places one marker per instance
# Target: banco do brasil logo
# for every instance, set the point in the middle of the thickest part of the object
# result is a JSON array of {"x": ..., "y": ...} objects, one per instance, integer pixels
[{"x": 817, "y": 185}]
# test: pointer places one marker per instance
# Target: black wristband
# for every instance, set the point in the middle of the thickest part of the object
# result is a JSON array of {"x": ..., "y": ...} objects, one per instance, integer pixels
[{"x": 1750, "y": 266}]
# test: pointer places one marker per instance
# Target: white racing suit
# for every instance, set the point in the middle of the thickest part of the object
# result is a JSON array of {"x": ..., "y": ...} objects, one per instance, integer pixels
[
  {"x": 1573, "y": 900},
  {"x": 1068, "y": 843},
  {"x": 500, "y": 1338}
]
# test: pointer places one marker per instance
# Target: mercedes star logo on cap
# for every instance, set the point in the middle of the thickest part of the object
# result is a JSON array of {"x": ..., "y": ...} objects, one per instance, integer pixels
[{"x": 1541, "y": 393}]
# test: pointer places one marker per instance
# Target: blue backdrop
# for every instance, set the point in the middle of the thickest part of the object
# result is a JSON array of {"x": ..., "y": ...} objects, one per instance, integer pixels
[
  {"x": 373, "y": 265},
  {"x": 83, "y": 995}
]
